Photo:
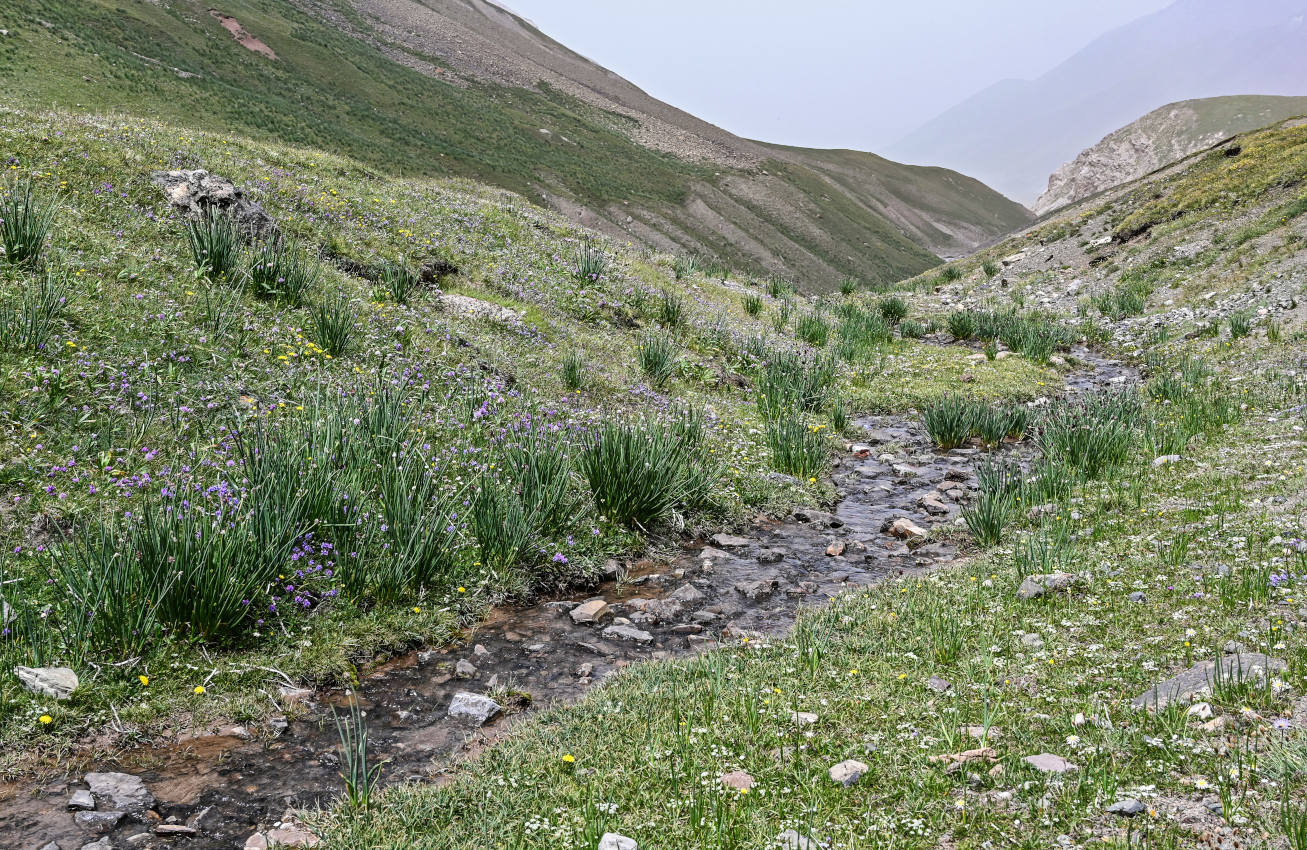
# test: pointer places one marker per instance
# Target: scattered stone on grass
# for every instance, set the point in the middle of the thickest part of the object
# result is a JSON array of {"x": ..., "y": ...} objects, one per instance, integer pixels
[
  {"x": 57, "y": 682},
  {"x": 1041, "y": 585},
  {"x": 1202, "y": 676},
  {"x": 847, "y": 772}
]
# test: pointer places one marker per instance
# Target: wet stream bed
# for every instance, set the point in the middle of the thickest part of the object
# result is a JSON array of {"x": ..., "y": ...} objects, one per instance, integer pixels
[{"x": 233, "y": 790}]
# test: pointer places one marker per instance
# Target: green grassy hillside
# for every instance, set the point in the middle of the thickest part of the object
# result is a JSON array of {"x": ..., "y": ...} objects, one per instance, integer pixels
[{"x": 346, "y": 88}]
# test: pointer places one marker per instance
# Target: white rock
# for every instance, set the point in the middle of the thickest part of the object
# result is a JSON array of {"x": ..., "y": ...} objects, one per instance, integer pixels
[
  {"x": 1201, "y": 710},
  {"x": 627, "y": 633},
  {"x": 791, "y": 840},
  {"x": 847, "y": 772},
  {"x": 803, "y": 718},
  {"x": 477, "y": 708},
  {"x": 57, "y": 682},
  {"x": 613, "y": 841}
]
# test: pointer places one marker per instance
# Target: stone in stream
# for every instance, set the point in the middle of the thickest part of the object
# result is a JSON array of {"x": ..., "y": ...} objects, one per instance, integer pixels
[
  {"x": 686, "y": 594},
  {"x": 847, "y": 772},
  {"x": 98, "y": 823},
  {"x": 757, "y": 590},
  {"x": 593, "y": 611},
  {"x": 465, "y": 669},
  {"x": 286, "y": 835},
  {"x": 477, "y": 708},
  {"x": 1127, "y": 808},
  {"x": 1203, "y": 676},
  {"x": 175, "y": 829},
  {"x": 614, "y": 841},
  {"x": 905, "y": 529},
  {"x": 730, "y": 541},
  {"x": 836, "y": 548},
  {"x": 121, "y": 792},
  {"x": 1041, "y": 585},
  {"x": 57, "y": 682},
  {"x": 81, "y": 801},
  {"x": 771, "y": 556},
  {"x": 630, "y": 633},
  {"x": 816, "y": 517}
]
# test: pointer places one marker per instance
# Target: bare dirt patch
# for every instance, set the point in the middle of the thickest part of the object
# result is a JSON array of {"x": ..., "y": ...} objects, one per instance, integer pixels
[{"x": 239, "y": 33}]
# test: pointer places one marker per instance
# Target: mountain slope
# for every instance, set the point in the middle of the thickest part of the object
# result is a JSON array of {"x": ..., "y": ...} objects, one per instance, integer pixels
[
  {"x": 464, "y": 88},
  {"x": 1159, "y": 138},
  {"x": 1017, "y": 132}
]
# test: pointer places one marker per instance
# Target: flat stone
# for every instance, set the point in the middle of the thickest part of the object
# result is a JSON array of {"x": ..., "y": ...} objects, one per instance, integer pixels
[
  {"x": 81, "y": 801},
  {"x": 594, "y": 611},
  {"x": 935, "y": 683},
  {"x": 792, "y": 840},
  {"x": 1127, "y": 808},
  {"x": 687, "y": 594},
  {"x": 756, "y": 590},
  {"x": 803, "y": 718},
  {"x": 98, "y": 822},
  {"x": 56, "y": 682},
  {"x": 292, "y": 835},
  {"x": 102, "y": 844},
  {"x": 771, "y": 556},
  {"x": 477, "y": 708},
  {"x": 730, "y": 541},
  {"x": 1049, "y": 763},
  {"x": 120, "y": 791},
  {"x": 1041, "y": 585},
  {"x": 737, "y": 779},
  {"x": 1200, "y": 678},
  {"x": 1137, "y": 596},
  {"x": 613, "y": 841},
  {"x": 175, "y": 829},
  {"x": 465, "y": 669},
  {"x": 847, "y": 772},
  {"x": 630, "y": 633}
]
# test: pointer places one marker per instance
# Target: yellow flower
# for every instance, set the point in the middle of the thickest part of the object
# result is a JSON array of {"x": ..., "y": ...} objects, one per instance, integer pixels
[
  {"x": 417, "y": 610},
  {"x": 145, "y": 680},
  {"x": 462, "y": 590},
  {"x": 46, "y": 720},
  {"x": 569, "y": 759},
  {"x": 199, "y": 689}
]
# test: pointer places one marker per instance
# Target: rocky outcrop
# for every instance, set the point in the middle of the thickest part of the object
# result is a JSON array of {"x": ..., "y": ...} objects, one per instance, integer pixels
[
  {"x": 196, "y": 193},
  {"x": 1160, "y": 138}
]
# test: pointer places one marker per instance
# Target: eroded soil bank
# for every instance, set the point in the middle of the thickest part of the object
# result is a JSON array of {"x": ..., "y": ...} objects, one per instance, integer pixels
[{"x": 222, "y": 791}]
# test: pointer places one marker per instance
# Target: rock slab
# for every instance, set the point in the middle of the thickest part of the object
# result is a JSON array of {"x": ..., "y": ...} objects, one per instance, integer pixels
[
  {"x": 57, "y": 682},
  {"x": 121, "y": 792},
  {"x": 1203, "y": 676},
  {"x": 1042, "y": 585},
  {"x": 613, "y": 841}
]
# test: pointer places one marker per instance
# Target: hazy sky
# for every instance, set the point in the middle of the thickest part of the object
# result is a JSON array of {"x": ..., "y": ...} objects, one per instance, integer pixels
[{"x": 825, "y": 73}]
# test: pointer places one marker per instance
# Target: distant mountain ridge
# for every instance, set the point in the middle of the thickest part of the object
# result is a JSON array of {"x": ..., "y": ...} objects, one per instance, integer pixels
[
  {"x": 1161, "y": 137},
  {"x": 1017, "y": 132},
  {"x": 467, "y": 88}
]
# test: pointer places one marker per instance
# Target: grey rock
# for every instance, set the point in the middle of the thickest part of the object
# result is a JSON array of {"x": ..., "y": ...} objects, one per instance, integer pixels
[
  {"x": 465, "y": 669},
  {"x": 52, "y": 846},
  {"x": 628, "y": 633},
  {"x": 686, "y": 594},
  {"x": 792, "y": 840},
  {"x": 756, "y": 590},
  {"x": 1032, "y": 641},
  {"x": 771, "y": 556},
  {"x": 1127, "y": 808},
  {"x": 729, "y": 541},
  {"x": 98, "y": 822},
  {"x": 198, "y": 193},
  {"x": 57, "y": 682},
  {"x": 121, "y": 792},
  {"x": 847, "y": 772},
  {"x": 81, "y": 801},
  {"x": 476, "y": 708},
  {"x": 816, "y": 517},
  {"x": 593, "y": 611},
  {"x": 614, "y": 841},
  {"x": 1041, "y": 585},
  {"x": 101, "y": 844},
  {"x": 175, "y": 829},
  {"x": 1049, "y": 763},
  {"x": 1200, "y": 677},
  {"x": 1138, "y": 596},
  {"x": 935, "y": 683}
]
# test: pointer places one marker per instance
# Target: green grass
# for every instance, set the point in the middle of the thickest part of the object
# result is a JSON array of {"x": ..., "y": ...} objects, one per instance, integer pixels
[{"x": 656, "y": 770}]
